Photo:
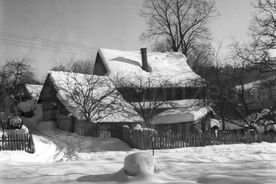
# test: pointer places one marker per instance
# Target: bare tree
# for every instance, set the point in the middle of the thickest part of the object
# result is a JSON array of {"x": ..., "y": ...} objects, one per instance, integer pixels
[
  {"x": 93, "y": 96},
  {"x": 17, "y": 71},
  {"x": 179, "y": 24},
  {"x": 263, "y": 28},
  {"x": 263, "y": 36},
  {"x": 249, "y": 57},
  {"x": 77, "y": 66}
]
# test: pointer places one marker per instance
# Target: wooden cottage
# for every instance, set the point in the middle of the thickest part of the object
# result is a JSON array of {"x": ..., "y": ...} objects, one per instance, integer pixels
[
  {"x": 59, "y": 106},
  {"x": 190, "y": 120},
  {"x": 184, "y": 89},
  {"x": 137, "y": 67}
]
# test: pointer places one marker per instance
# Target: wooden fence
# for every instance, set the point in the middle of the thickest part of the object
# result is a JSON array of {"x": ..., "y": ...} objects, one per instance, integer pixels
[
  {"x": 101, "y": 130},
  {"x": 166, "y": 140},
  {"x": 17, "y": 142}
]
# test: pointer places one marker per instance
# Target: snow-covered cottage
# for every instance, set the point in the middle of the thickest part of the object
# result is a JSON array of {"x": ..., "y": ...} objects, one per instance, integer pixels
[
  {"x": 63, "y": 98},
  {"x": 184, "y": 90}
]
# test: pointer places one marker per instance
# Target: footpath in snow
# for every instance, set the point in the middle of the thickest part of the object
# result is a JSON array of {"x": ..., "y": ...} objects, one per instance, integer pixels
[{"x": 57, "y": 145}]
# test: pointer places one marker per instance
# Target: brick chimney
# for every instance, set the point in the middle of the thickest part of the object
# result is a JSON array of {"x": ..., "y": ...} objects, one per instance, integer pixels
[{"x": 145, "y": 65}]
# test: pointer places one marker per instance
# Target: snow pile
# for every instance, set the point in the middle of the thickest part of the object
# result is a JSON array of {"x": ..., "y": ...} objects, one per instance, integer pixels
[
  {"x": 139, "y": 164},
  {"x": 138, "y": 168},
  {"x": 172, "y": 67}
]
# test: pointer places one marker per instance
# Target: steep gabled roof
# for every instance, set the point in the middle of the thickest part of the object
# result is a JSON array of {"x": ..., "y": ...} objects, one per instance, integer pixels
[
  {"x": 181, "y": 115},
  {"x": 63, "y": 81},
  {"x": 171, "y": 67},
  {"x": 34, "y": 90}
]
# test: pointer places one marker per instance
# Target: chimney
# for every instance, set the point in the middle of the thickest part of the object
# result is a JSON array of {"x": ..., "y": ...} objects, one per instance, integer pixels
[{"x": 145, "y": 65}]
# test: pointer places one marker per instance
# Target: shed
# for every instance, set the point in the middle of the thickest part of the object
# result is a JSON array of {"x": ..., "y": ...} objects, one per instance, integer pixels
[{"x": 186, "y": 120}]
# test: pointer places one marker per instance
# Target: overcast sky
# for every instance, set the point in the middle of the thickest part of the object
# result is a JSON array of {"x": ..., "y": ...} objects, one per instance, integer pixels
[{"x": 53, "y": 31}]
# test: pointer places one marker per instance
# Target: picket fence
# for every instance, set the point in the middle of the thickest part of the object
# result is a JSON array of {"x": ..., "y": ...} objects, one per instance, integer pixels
[
  {"x": 17, "y": 142},
  {"x": 167, "y": 140}
]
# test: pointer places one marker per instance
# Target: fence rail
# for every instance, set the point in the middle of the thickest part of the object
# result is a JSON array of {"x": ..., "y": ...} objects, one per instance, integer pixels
[
  {"x": 166, "y": 140},
  {"x": 17, "y": 142}
]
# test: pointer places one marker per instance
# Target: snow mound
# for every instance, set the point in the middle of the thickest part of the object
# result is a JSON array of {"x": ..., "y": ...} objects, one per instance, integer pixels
[
  {"x": 139, "y": 163},
  {"x": 138, "y": 168}
]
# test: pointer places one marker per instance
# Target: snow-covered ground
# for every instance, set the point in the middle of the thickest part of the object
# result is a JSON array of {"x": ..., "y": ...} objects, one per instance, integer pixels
[{"x": 63, "y": 157}]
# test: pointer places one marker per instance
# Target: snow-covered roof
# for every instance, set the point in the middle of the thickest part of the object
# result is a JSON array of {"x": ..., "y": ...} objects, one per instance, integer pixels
[
  {"x": 34, "y": 90},
  {"x": 170, "y": 67},
  {"x": 249, "y": 85},
  {"x": 255, "y": 84},
  {"x": 187, "y": 103},
  {"x": 67, "y": 81},
  {"x": 180, "y": 115}
]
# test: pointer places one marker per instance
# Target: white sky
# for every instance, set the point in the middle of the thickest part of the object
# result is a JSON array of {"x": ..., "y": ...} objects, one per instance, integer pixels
[{"x": 55, "y": 31}]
